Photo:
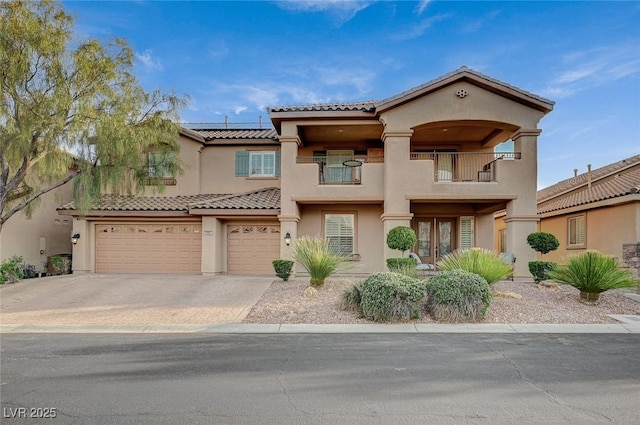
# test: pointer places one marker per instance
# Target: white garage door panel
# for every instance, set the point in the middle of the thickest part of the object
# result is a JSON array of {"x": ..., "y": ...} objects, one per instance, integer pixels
[
  {"x": 252, "y": 247},
  {"x": 149, "y": 248}
]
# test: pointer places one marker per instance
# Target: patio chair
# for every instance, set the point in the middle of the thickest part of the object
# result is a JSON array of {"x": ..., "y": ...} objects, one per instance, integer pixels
[{"x": 423, "y": 268}]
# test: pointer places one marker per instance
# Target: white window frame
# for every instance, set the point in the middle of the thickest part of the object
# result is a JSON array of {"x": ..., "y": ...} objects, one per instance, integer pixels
[
  {"x": 577, "y": 236},
  {"x": 341, "y": 227},
  {"x": 260, "y": 156}
]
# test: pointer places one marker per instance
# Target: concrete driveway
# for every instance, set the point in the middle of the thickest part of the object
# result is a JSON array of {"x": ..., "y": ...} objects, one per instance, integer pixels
[{"x": 131, "y": 299}]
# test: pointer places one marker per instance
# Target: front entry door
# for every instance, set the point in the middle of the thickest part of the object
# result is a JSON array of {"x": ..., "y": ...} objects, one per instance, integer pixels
[{"x": 436, "y": 237}]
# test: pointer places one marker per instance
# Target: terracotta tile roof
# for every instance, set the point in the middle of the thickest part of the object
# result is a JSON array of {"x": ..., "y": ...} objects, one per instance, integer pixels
[
  {"x": 144, "y": 203},
  {"x": 366, "y": 106},
  {"x": 611, "y": 181},
  {"x": 239, "y": 133},
  {"x": 263, "y": 199}
]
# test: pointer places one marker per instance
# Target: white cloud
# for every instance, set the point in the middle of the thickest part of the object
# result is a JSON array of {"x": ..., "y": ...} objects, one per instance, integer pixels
[
  {"x": 422, "y": 6},
  {"x": 594, "y": 67},
  {"x": 361, "y": 79},
  {"x": 239, "y": 109},
  {"x": 478, "y": 24},
  {"x": 341, "y": 10},
  {"x": 419, "y": 29},
  {"x": 147, "y": 61}
]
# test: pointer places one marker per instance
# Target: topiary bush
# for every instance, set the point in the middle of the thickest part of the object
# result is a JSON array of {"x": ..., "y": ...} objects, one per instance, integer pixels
[
  {"x": 402, "y": 238},
  {"x": 11, "y": 270},
  {"x": 540, "y": 269},
  {"x": 543, "y": 242},
  {"x": 480, "y": 261},
  {"x": 389, "y": 296},
  {"x": 406, "y": 266},
  {"x": 458, "y": 296},
  {"x": 283, "y": 268}
]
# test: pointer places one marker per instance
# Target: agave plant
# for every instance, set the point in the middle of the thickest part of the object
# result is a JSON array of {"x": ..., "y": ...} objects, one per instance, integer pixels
[
  {"x": 480, "y": 261},
  {"x": 592, "y": 273},
  {"x": 315, "y": 256}
]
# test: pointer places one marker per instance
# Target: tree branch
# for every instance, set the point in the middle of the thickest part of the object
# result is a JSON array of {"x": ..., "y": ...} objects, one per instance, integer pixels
[{"x": 35, "y": 196}]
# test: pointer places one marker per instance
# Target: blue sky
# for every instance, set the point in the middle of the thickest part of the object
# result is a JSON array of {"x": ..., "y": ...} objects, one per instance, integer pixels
[{"x": 237, "y": 58}]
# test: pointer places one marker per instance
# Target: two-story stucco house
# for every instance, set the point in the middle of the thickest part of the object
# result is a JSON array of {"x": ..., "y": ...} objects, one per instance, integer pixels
[{"x": 347, "y": 172}]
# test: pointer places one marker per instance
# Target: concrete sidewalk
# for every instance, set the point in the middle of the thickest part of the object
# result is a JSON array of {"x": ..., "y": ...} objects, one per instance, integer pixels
[{"x": 623, "y": 328}]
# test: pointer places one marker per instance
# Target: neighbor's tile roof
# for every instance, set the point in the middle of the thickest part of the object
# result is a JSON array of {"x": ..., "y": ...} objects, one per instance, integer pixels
[
  {"x": 263, "y": 199},
  {"x": 238, "y": 133},
  {"x": 611, "y": 181}
]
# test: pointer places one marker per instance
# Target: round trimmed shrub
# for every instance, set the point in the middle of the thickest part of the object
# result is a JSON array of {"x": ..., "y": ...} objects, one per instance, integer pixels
[
  {"x": 543, "y": 242},
  {"x": 458, "y": 296},
  {"x": 389, "y": 296},
  {"x": 402, "y": 238}
]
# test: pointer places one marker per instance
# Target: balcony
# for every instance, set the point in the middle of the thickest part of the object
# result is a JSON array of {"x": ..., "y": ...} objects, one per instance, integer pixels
[
  {"x": 465, "y": 166},
  {"x": 340, "y": 169}
]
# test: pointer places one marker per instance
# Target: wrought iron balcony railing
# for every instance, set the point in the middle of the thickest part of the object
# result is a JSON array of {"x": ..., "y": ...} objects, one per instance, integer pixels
[
  {"x": 340, "y": 169},
  {"x": 465, "y": 166}
]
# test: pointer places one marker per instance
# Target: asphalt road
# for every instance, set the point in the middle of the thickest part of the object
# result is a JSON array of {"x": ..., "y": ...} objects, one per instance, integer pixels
[{"x": 320, "y": 379}]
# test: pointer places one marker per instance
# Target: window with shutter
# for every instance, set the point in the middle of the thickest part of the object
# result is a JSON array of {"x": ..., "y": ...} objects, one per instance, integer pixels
[
  {"x": 467, "y": 232},
  {"x": 577, "y": 231},
  {"x": 339, "y": 233}
]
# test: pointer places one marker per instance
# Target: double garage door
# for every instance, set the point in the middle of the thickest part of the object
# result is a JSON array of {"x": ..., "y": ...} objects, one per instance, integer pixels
[
  {"x": 149, "y": 248},
  {"x": 177, "y": 248}
]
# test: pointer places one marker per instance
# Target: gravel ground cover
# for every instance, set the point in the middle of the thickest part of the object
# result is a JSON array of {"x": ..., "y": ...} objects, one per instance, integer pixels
[{"x": 283, "y": 302}]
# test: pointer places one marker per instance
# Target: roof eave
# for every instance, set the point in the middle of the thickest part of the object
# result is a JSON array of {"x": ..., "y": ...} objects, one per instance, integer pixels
[{"x": 278, "y": 117}]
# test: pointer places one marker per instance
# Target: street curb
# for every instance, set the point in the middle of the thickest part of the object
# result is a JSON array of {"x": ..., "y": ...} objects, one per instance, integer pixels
[{"x": 237, "y": 328}]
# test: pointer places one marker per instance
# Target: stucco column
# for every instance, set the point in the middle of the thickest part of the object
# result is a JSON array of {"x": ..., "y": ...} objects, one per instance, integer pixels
[
  {"x": 397, "y": 208},
  {"x": 289, "y": 212},
  {"x": 81, "y": 251},
  {"x": 522, "y": 218},
  {"x": 213, "y": 239}
]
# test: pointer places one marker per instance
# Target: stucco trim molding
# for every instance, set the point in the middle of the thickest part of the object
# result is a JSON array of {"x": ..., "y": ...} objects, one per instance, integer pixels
[
  {"x": 289, "y": 139},
  {"x": 526, "y": 132},
  {"x": 527, "y": 218},
  {"x": 289, "y": 218},
  {"x": 396, "y": 133},
  {"x": 396, "y": 216}
]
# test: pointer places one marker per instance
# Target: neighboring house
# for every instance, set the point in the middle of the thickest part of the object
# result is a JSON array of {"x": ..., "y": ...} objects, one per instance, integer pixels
[
  {"x": 346, "y": 172},
  {"x": 599, "y": 209},
  {"x": 43, "y": 235}
]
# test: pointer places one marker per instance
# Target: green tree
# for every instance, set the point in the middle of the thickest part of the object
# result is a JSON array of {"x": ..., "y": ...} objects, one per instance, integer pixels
[
  {"x": 73, "y": 110},
  {"x": 543, "y": 242},
  {"x": 402, "y": 238}
]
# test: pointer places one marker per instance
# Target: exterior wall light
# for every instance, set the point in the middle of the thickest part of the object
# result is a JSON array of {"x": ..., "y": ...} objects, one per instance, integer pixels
[
  {"x": 287, "y": 239},
  {"x": 74, "y": 238}
]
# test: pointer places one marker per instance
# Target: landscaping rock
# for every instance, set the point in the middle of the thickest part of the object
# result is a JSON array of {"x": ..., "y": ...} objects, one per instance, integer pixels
[
  {"x": 310, "y": 292},
  {"x": 507, "y": 295},
  {"x": 548, "y": 285}
]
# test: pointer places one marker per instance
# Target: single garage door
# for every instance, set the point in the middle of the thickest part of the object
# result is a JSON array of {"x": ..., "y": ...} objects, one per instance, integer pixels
[
  {"x": 149, "y": 248},
  {"x": 252, "y": 247}
]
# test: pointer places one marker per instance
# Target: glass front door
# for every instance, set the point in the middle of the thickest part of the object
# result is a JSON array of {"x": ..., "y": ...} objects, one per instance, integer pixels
[{"x": 436, "y": 237}]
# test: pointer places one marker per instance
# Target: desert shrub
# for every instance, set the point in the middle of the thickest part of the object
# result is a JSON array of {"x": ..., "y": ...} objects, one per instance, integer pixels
[
  {"x": 457, "y": 296},
  {"x": 406, "y": 266},
  {"x": 283, "y": 268},
  {"x": 480, "y": 261},
  {"x": 592, "y": 272},
  {"x": 543, "y": 242},
  {"x": 315, "y": 256},
  {"x": 541, "y": 269},
  {"x": 352, "y": 298},
  {"x": 402, "y": 238},
  {"x": 387, "y": 296},
  {"x": 11, "y": 270}
]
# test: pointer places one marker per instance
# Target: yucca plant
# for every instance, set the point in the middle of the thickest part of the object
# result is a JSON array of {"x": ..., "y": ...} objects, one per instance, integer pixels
[
  {"x": 592, "y": 273},
  {"x": 480, "y": 261},
  {"x": 315, "y": 256}
]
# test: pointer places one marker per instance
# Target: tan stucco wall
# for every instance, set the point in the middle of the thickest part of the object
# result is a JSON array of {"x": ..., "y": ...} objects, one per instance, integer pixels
[
  {"x": 608, "y": 228},
  {"x": 187, "y": 183},
  {"x": 369, "y": 231},
  {"x": 21, "y": 236},
  {"x": 218, "y": 171}
]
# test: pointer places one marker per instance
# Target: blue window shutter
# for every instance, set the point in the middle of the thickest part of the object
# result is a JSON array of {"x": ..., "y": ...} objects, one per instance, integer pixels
[
  {"x": 242, "y": 163},
  {"x": 277, "y": 163}
]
